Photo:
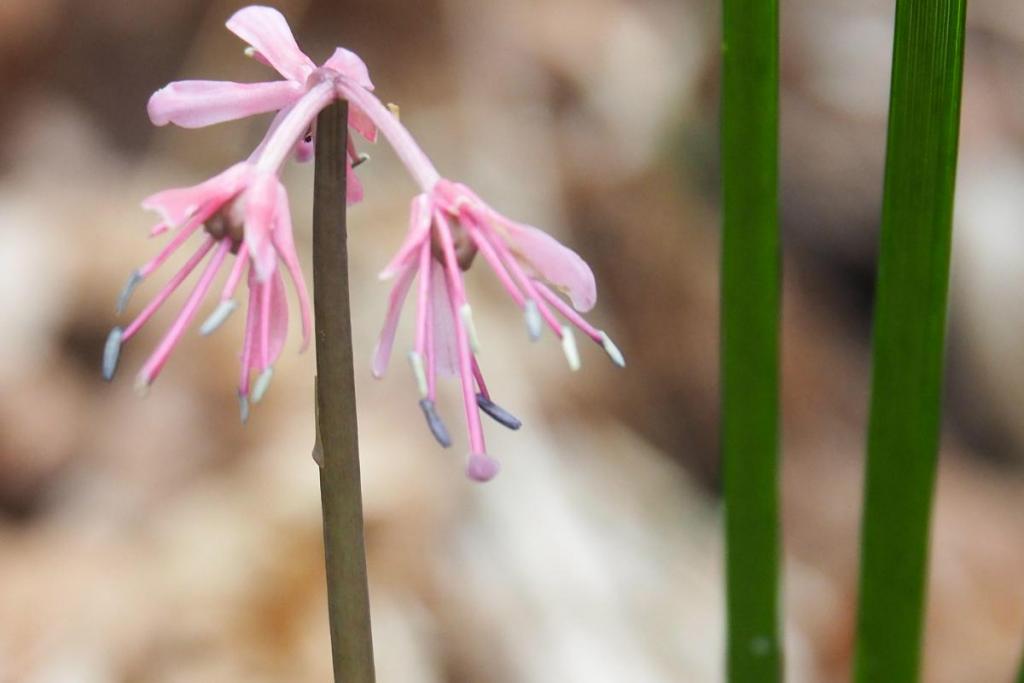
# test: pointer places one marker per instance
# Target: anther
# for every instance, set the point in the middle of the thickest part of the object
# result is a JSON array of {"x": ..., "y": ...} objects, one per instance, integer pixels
[
  {"x": 499, "y": 414},
  {"x": 243, "y": 408},
  {"x": 437, "y": 427},
  {"x": 466, "y": 313},
  {"x": 534, "y": 323},
  {"x": 612, "y": 350},
  {"x": 360, "y": 160},
  {"x": 259, "y": 388},
  {"x": 142, "y": 383},
  {"x": 220, "y": 314},
  {"x": 393, "y": 108},
  {"x": 122, "y": 299},
  {"x": 572, "y": 354},
  {"x": 112, "y": 353},
  {"x": 416, "y": 361}
]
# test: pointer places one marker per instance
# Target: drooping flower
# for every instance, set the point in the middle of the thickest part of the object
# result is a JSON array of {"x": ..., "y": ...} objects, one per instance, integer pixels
[
  {"x": 449, "y": 226},
  {"x": 244, "y": 211},
  {"x": 195, "y": 104}
]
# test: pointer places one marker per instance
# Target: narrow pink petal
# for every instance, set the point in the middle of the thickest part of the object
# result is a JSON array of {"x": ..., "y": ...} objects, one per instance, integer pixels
[
  {"x": 194, "y": 104},
  {"x": 261, "y": 205},
  {"x": 457, "y": 298},
  {"x": 353, "y": 188},
  {"x": 349, "y": 64},
  {"x": 446, "y": 353},
  {"x": 554, "y": 262},
  {"x": 382, "y": 354},
  {"x": 271, "y": 321},
  {"x": 361, "y": 123},
  {"x": 284, "y": 243},
  {"x": 266, "y": 29},
  {"x": 567, "y": 311},
  {"x": 163, "y": 350},
  {"x": 252, "y": 323},
  {"x": 419, "y": 227},
  {"x": 177, "y": 205},
  {"x": 423, "y": 300},
  {"x": 167, "y": 290},
  {"x": 304, "y": 150}
]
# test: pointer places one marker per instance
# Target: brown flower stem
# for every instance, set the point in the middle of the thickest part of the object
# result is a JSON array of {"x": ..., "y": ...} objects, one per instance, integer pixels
[{"x": 348, "y": 601}]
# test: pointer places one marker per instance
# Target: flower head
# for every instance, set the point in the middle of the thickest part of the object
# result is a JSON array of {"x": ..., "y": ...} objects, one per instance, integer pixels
[
  {"x": 244, "y": 212},
  {"x": 449, "y": 227},
  {"x": 195, "y": 104}
]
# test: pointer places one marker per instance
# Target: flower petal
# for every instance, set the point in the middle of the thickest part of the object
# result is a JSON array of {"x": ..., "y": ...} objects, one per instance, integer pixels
[
  {"x": 419, "y": 225},
  {"x": 446, "y": 346},
  {"x": 177, "y": 205},
  {"x": 284, "y": 243},
  {"x": 194, "y": 104},
  {"x": 278, "y": 323},
  {"x": 350, "y": 65},
  {"x": 353, "y": 188},
  {"x": 261, "y": 206},
  {"x": 361, "y": 123},
  {"x": 382, "y": 354},
  {"x": 553, "y": 261},
  {"x": 266, "y": 30}
]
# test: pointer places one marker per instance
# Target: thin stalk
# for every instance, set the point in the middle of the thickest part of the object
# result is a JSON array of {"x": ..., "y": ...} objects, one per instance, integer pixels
[
  {"x": 908, "y": 338},
  {"x": 750, "y": 337},
  {"x": 337, "y": 440},
  {"x": 1020, "y": 673}
]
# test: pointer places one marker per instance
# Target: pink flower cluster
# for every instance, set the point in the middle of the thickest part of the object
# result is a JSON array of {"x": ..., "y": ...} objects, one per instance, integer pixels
[{"x": 244, "y": 212}]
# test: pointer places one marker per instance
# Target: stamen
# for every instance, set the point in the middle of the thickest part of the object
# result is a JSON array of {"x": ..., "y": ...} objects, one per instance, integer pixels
[
  {"x": 466, "y": 313},
  {"x": 133, "y": 281},
  {"x": 437, "y": 427},
  {"x": 112, "y": 353},
  {"x": 360, "y": 159},
  {"x": 142, "y": 382},
  {"x": 572, "y": 354},
  {"x": 612, "y": 350},
  {"x": 534, "y": 323},
  {"x": 220, "y": 314},
  {"x": 393, "y": 108},
  {"x": 243, "y": 408},
  {"x": 416, "y": 361},
  {"x": 481, "y": 467},
  {"x": 250, "y": 52},
  {"x": 499, "y": 414},
  {"x": 262, "y": 384}
]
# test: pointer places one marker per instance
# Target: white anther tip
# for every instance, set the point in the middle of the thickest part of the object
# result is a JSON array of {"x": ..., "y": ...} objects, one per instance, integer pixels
[
  {"x": 243, "y": 409},
  {"x": 259, "y": 388},
  {"x": 142, "y": 383},
  {"x": 249, "y": 51},
  {"x": 612, "y": 350},
  {"x": 572, "y": 354},
  {"x": 534, "y": 323},
  {"x": 217, "y": 318},
  {"x": 416, "y": 362},
  {"x": 466, "y": 313}
]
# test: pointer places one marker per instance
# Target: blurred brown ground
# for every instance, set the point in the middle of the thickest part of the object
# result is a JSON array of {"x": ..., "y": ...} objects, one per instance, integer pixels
[{"x": 157, "y": 540}]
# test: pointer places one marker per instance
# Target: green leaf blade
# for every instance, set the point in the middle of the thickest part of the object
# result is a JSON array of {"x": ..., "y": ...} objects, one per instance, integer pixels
[
  {"x": 909, "y": 336},
  {"x": 750, "y": 337}
]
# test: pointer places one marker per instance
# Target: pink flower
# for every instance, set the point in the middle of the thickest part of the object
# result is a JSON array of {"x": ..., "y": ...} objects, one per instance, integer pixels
[
  {"x": 244, "y": 211},
  {"x": 194, "y": 104},
  {"x": 449, "y": 226}
]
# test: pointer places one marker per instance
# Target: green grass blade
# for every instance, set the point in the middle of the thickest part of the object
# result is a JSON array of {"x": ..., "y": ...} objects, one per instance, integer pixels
[
  {"x": 909, "y": 331},
  {"x": 749, "y": 336}
]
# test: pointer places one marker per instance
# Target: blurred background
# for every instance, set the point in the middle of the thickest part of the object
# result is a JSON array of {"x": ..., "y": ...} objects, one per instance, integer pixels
[{"x": 159, "y": 540}]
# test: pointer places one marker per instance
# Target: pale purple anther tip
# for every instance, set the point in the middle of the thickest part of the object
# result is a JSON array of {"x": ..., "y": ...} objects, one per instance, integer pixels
[{"x": 482, "y": 467}]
